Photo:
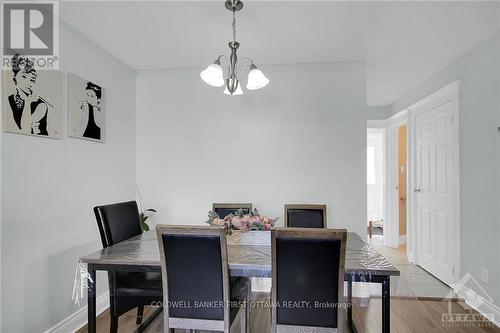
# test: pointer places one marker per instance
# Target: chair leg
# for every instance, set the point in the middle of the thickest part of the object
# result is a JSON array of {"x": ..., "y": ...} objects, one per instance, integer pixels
[
  {"x": 113, "y": 327},
  {"x": 140, "y": 313},
  {"x": 247, "y": 306},
  {"x": 244, "y": 319}
]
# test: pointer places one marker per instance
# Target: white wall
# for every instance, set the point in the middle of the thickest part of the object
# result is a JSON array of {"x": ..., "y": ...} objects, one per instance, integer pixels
[
  {"x": 49, "y": 188},
  {"x": 479, "y": 113},
  {"x": 302, "y": 139}
]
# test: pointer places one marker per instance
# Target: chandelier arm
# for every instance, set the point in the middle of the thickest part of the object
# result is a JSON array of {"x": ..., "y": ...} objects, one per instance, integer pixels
[
  {"x": 222, "y": 56},
  {"x": 248, "y": 61}
]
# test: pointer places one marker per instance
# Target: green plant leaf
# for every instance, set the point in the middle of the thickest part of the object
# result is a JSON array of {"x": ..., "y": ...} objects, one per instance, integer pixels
[
  {"x": 150, "y": 210},
  {"x": 144, "y": 226},
  {"x": 211, "y": 216},
  {"x": 257, "y": 227}
]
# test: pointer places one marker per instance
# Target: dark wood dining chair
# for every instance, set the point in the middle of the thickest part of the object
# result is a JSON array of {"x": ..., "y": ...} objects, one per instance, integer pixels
[
  {"x": 307, "y": 266},
  {"x": 305, "y": 216},
  {"x": 195, "y": 270},
  {"x": 127, "y": 290},
  {"x": 224, "y": 209}
]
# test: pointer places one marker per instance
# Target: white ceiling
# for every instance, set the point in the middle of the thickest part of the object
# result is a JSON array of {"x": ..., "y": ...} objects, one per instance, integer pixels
[{"x": 403, "y": 43}]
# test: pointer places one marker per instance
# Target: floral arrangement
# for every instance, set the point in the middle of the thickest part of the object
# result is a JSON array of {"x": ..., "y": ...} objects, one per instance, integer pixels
[{"x": 242, "y": 221}]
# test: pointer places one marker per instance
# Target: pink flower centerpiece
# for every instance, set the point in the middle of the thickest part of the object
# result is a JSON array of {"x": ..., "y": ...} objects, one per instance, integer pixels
[{"x": 241, "y": 221}]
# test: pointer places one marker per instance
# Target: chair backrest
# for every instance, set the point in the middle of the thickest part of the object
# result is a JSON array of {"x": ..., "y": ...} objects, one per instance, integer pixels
[
  {"x": 194, "y": 271},
  {"x": 305, "y": 216},
  {"x": 308, "y": 266},
  {"x": 117, "y": 222},
  {"x": 224, "y": 209}
]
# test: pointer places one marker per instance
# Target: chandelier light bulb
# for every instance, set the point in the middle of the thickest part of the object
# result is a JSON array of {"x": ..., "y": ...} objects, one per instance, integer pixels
[
  {"x": 213, "y": 75},
  {"x": 256, "y": 79}
]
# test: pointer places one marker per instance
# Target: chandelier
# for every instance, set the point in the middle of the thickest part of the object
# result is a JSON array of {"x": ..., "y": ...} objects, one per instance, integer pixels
[{"x": 214, "y": 75}]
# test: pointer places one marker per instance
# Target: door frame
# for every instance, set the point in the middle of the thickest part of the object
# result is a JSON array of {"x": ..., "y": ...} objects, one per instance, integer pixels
[
  {"x": 393, "y": 124},
  {"x": 449, "y": 93}
]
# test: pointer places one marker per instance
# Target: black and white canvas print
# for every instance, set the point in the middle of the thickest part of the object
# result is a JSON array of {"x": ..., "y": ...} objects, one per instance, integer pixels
[
  {"x": 32, "y": 99},
  {"x": 86, "y": 112}
]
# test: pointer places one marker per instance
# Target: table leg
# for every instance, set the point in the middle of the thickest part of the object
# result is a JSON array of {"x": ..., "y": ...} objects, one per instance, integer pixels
[
  {"x": 386, "y": 304},
  {"x": 91, "y": 293},
  {"x": 149, "y": 320},
  {"x": 350, "y": 322}
]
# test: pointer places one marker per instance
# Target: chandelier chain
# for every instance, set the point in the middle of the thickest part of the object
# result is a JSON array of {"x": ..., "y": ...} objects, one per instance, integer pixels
[{"x": 234, "y": 25}]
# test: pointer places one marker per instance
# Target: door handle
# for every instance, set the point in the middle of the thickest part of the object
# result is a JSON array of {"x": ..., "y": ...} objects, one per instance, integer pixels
[{"x": 417, "y": 189}]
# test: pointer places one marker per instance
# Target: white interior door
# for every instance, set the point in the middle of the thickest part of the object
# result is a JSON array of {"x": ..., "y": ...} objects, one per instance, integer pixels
[{"x": 435, "y": 214}]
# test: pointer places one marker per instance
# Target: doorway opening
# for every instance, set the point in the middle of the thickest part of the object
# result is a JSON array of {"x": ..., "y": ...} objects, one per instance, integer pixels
[
  {"x": 417, "y": 228},
  {"x": 423, "y": 186},
  {"x": 375, "y": 183}
]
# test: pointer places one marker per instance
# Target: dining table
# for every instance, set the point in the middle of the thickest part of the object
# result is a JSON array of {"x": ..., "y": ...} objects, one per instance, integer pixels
[{"x": 249, "y": 255}]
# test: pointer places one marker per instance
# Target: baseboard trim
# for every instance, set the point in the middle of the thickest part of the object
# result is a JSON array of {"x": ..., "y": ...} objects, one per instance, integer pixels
[
  {"x": 77, "y": 320},
  {"x": 411, "y": 257},
  {"x": 486, "y": 308}
]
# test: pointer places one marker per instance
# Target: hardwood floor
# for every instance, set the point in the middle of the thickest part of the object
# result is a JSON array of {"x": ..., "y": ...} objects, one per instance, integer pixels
[{"x": 407, "y": 315}]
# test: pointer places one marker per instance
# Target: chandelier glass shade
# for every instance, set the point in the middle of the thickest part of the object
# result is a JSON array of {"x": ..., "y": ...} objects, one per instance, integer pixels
[
  {"x": 213, "y": 75},
  {"x": 256, "y": 79}
]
